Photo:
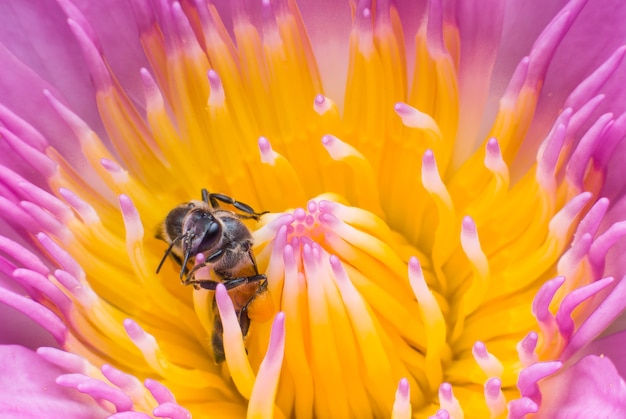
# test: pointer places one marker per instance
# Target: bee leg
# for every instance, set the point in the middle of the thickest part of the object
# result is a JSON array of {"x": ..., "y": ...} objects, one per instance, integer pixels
[
  {"x": 244, "y": 322},
  {"x": 253, "y": 260},
  {"x": 244, "y": 310},
  {"x": 211, "y": 259},
  {"x": 217, "y": 337},
  {"x": 212, "y": 198},
  {"x": 229, "y": 283}
]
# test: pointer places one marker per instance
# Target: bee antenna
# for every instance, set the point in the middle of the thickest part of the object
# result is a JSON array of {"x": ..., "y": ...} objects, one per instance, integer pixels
[
  {"x": 167, "y": 252},
  {"x": 184, "y": 265}
]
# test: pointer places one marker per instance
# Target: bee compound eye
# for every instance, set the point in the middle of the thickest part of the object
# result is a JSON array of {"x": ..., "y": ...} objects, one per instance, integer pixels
[
  {"x": 214, "y": 229},
  {"x": 211, "y": 236}
]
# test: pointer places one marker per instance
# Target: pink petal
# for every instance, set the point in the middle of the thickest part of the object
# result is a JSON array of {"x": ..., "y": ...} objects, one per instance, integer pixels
[
  {"x": 480, "y": 28},
  {"x": 37, "y": 37},
  {"x": 29, "y": 389},
  {"x": 328, "y": 24},
  {"x": 602, "y": 317},
  {"x": 612, "y": 347},
  {"x": 591, "y": 388}
]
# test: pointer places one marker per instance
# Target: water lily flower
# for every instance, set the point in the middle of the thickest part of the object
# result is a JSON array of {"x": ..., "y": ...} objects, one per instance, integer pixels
[{"x": 444, "y": 191}]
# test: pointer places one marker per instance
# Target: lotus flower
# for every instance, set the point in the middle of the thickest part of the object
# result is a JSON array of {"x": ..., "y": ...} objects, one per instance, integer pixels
[{"x": 444, "y": 188}]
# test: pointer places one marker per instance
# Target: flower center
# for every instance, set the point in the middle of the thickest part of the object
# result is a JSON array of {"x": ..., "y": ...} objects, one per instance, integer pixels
[{"x": 339, "y": 274}]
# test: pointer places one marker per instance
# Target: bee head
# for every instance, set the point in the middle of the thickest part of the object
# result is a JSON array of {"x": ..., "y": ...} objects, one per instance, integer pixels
[{"x": 201, "y": 232}]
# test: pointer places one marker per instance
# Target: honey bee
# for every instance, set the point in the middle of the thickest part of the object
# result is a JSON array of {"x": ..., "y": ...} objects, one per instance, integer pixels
[{"x": 225, "y": 243}]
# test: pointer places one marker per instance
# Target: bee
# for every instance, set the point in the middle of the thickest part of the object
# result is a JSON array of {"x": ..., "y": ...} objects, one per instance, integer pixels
[{"x": 225, "y": 243}]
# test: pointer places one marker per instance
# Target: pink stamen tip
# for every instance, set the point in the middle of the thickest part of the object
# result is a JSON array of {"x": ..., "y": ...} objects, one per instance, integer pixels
[
  {"x": 468, "y": 225},
  {"x": 404, "y": 388},
  {"x": 199, "y": 259},
  {"x": 281, "y": 238},
  {"x": 110, "y": 166},
  {"x": 529, "y": 343},
  {"x": 264, "y": 145},
  {"x": 275, "y": 351},
  {"x": 543, "y": 298},
  {"x": 100, "y": 390},
  {"x": 223, "y": 299},
  {"x": 591, "y": 221},
  {"x": 519, "y": 408},
  {"x": 172, "y": 411},
  {"x": 86, "y": 211},
  {"x": 492, "y": 387},
  {"x": 66, "y": 360},
  {"x": 71, "y": 380},
  {"x": 282, "y": 221},
  {"x": 329, "y": 219},
  {"x": 126, "y": 382},
  {"x": 134, "y": 331},
  {"x": 493, "y": 147},
  {"x": 268, "y": 155},
  {"x": 289, "y": 258},
  {"x": 316, "y": 250},
  {"x": 126, "y": 204},
  {"x": 445, "y": 392},
  {"x": 428, "y": 159},
  {"x": 216, "y": 94},
  {"x": 214, "y": 80},
  {"x": 327, "y": 206},
  {"x": 290, "y": 229},
  {"x": 83, "y": 293},
  {"x": 480, "y": 350},
  {"x": 328, "y": 140},
  {"x": 160, "y": 393},
  {"x": 529, "y": 376},
  {"x": 45, "y": 220},
  {"x": 23, "y": 256},
  {"x": 309, "y": 221},
  {"x": 562, "y": 221},
  {"x": 440, "y": 414},
  {"x": 22, "y": 129},
  {"x": 573, "y": 300},
  {"x": 66, "y": 279},
  {"x": 61, "y": 256},
  {"x": 311, "y": 206},
  {"x": 151, "y": 88},
  {"x": 307, "y": 255},
  {"x": 402, "y": 109},
  {"x": 45, "y": 199},
  {"x": 322, "y": 104},
  {"x": 526, "y": 349},
  {"x": 299, "y": 214},
  {"x": 414, "y": 266}
]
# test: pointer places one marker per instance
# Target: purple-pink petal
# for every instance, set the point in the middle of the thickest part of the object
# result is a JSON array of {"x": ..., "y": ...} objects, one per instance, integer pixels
[
  {"x": 591, "y": 388},
  {"x": 40, "y": 314},
  {"x": 572, "y": 300},
  {"x": 527, "y": 382},
  {"x": 605, "y": 313},
  {"x": 29, "y": 389},
  {"x": 129, "y": 415}
]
